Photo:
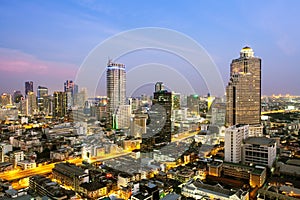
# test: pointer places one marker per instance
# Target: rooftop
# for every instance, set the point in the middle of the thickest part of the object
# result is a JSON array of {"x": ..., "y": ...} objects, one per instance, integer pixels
[{"x": 260, "y": 141}]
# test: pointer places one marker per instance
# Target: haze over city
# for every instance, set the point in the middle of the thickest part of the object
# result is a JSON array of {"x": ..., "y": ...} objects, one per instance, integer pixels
[{"x": 38, "y": 39}]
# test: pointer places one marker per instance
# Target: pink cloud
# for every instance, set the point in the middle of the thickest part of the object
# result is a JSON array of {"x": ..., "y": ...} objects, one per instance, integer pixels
[{"x": 15, "y": 61}]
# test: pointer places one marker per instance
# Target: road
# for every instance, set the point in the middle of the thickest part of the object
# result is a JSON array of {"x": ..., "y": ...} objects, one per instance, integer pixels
[{"x": 46, "y": 169}]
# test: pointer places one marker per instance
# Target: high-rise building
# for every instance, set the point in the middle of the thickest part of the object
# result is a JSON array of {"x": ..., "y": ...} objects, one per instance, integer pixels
[
  {"x": 122, "y": 117},
  {"x": 175, "y": 101},
  {"x": 193, "y": 102},
  {"x": 5, "y": 99},
  {"x": 42, "y": 93},
  {"x": 59, "y": 104},
  {"x": 31, "y": 103},
  {"x": 234, "y": 137},
  {"x": 164, "y": 99},
  {"x": 71, "y": 89},
  {"x": 28, "y": 87},
  {"x": 17, "y": 96},
  {"x": 116, "y": 87},
  {"x": 159, "y": 86},
  {"x": 243, "y": 93}
]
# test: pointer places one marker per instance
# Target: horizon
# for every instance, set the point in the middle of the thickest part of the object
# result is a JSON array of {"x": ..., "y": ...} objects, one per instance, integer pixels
[{"x": 39, "y": 39}]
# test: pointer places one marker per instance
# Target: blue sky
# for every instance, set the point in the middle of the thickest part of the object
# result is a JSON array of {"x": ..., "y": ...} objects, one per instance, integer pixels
[{"x": 46, "y": 41}]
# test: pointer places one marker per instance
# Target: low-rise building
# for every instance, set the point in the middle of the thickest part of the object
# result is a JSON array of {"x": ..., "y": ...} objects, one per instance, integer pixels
[
  {"x": 199, "y": 190},
  {"x": 93, "y": 190},
  {"x": 70, "y": 175},
  {"x": 45, "y": 187},
  {"x": 259, "y": 151}
]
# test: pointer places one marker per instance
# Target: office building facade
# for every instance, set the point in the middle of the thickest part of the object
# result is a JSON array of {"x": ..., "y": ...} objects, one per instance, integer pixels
[
  {"x": 28, "y": 87},
  {"x": 243, "y": 92},
  {"x": 42, "y": 94}
]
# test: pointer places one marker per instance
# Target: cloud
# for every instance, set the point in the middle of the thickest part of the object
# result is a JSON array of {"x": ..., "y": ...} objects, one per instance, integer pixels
[{"x": 18, "y": 62}]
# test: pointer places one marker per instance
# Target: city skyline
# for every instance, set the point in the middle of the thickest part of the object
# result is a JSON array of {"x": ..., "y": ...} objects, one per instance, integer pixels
[{"x": 34, "y": 50}]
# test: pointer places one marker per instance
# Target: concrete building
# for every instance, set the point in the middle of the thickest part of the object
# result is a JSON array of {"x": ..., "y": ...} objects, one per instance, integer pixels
[
  {"x": 45, "y": 187},
  {"x": 93, "y": 190},
  {"x": 259, "y": 151},
  {"x": 138, "y": 125},
  {"x": 122, "y": 117},
  {"x": 70, "y": 175},
  {"x": 31, "y": 103},
  {"x": 59, "y": 104},
  {"x": 243, "y": 92},
  {"x": 5, "y": 99},
  {"x": 116, "y": 87},
  {"x": 200, "y": 190},
  {"x": 256, "y": 130},
  {"x": 234, "y": 137}
]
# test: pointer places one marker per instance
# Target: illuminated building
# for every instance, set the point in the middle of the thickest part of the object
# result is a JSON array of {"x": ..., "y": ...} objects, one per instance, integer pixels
[
  {"x": 17, "y": 96},
  {"x": 198, "y": 189},
  {"x": 159, "y": 129},
  {"x": 93, "y": 190},
  {"x": 59, "y": 104},
  {"x": 234, "y": 137},
  {"x": 31, "y": 103},
  {"x": 70, "y": 175},
  {"x": 45, "y": 187},
  {"x": 164, "y": 98},
  {"x": 243, "y": 92},
  {"x": 175, "y": 101},
  {"x": 215, "y": 168},
  {"x": 42, "y": 93},
  {"x": 28, "y": 87},
  {"x": 116, "y": 87},
  {"x": 193, "y": 102},
  {"x": 71, "y": 89},
  {"x": 259, "y": 151},
  {"x": 5, "y": 99}
]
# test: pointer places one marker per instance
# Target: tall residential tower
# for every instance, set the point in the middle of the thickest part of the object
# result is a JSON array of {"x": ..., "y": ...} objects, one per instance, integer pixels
[
  {"x": 116, "y": 87},
  {"x": 243, "y": 92}
]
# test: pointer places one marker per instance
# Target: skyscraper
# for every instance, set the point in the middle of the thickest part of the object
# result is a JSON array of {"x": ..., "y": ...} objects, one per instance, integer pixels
[
  {"x": 116, "y": 87},
  {"x": 28, "y": 87},
  {"x": 17, "y": 96},
  {"x": 164, "y": 98},
  {"x": 243, "y": 92},
  {"x": 59, "y": 104},
  {"x": 159, "y": 129},
  {"x": 71, "y": 89},
  {"x": 32, "y": 105},
  {"x": 42, "y": 93}
]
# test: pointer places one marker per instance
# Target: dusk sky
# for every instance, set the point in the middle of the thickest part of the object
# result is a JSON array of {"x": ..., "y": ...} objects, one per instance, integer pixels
[{"x": 47, "y": 41}]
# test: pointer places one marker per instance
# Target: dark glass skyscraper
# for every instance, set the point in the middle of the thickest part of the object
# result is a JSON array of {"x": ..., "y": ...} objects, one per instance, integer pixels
[
  {"x": 42, "y": 93},
  {"x": 159, "y": 122},
  {"x": 28, "y": 87},
  {"x": 243, "y": 92}
]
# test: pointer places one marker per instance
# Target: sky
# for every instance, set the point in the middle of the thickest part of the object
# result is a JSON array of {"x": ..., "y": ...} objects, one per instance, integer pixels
[{"x": 48, "y": 41}]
